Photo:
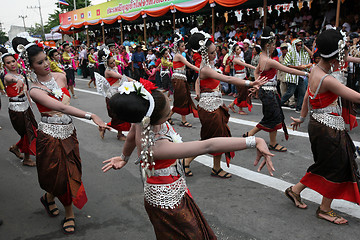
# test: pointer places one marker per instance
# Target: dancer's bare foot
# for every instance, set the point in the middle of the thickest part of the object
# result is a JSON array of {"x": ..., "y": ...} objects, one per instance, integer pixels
[
  {"x": 28, "y": 162},
  {"x": 15, "y": 150},
  {"x": 295, "y": 198},
  {"x": 330, "y": 216}
]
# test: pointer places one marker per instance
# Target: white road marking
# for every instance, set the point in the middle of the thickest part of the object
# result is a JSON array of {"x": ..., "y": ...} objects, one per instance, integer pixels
[
  {"x": 238, "y": 121},
  {"x": 266, "y": 180}
]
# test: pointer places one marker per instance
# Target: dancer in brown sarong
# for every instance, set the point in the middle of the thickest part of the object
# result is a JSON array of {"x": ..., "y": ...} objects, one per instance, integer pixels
[
  {"x": 57, "y": 149},
  {"x": 334, "y": 174},
  {"x": 21, "y": 115},
  {"x": 183, "y": 103},
  {"x": 213, "y": 113},
  {"x": 168, "y": 202}
]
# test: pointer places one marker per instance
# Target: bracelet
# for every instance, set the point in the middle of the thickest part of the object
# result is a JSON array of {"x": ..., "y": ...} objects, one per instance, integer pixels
[
  {"x": 302, "y": 119},
  {"x": 250, "y": 142},
  {"x": 247, "y": 83},
  {"x": 306, "y": 74},
  {"x": 88, "y": 115},
  {"x": 125, "y": 158}
]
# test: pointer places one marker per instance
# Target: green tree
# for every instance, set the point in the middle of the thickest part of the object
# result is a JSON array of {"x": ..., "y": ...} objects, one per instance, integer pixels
[
  {"x": 35, "y": 30},
  {"x": 3, "y": 37}
]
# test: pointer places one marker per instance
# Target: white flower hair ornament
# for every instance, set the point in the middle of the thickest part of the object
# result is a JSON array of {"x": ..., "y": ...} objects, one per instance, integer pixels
[
  {"x": 341, "y": 50},
  {"x": 30, "y": 74},
  {"x": 178, "y": 37},
  {"x": 147, "y": 140},
  {"x": 232, "y": 43}
]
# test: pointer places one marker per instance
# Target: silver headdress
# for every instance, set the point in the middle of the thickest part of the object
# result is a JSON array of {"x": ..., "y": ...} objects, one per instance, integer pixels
[
  {"x": 177, "y": 39},
  {"x": 232, "y": 43},
  {"x": 107, "y": 53},
  {"x": 203, "y": 49},
  {"x": 30, "y": 74}
]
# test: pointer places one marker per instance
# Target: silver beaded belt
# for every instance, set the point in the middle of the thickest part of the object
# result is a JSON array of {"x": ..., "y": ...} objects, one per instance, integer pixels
[
  {"x": 329, "y": 109},
  {"x": 210, "y": 101},
  {"x": 165, "y": 195},
  {"x": 57, "y": 130},
  {"x": 63, "y": 119},
  {"x": 179, "y": 74},
  {"x": 166, "y": 171},
  {"x": 269, "y": 88},
  {"x": 19, "y": 106},
  {"x": 332, "y": 121}
]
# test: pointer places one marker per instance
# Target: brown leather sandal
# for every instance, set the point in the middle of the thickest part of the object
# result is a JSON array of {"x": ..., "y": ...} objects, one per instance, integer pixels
[
  {"x": 330, "y": 213},
  {"x": 294, "y": 196}
]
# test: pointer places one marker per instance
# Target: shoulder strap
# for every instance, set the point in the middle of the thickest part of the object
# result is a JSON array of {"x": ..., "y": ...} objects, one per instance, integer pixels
[
  {"x": 318, "y": 88},
  {"x": 42, "y": 89},
  {"x": 265, "y": 65}
]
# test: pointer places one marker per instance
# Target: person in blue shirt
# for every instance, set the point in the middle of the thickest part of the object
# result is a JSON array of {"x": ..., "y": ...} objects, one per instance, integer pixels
[{"x": 137, "y": 60}]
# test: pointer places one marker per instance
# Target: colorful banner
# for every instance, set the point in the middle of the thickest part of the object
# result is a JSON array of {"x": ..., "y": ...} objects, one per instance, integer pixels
[{"x": 112, "y": 9}]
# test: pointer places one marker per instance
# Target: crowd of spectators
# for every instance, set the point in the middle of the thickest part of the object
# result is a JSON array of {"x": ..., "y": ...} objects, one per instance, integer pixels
[{"x": 141, "y": 59}]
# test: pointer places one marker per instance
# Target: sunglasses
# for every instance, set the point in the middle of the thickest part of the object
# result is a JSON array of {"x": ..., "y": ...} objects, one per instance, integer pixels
[{"x": 298, "y": 45}]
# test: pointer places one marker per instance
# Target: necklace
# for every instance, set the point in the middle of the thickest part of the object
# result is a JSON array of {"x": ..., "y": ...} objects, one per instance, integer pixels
[
  {"x": 50, "y": 84},
  {"x": 327, "y": 72},
  {"x": 17, "y": 76}
]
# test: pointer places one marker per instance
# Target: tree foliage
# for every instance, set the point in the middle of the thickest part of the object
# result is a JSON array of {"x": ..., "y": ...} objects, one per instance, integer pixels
[
  {"x": 3, "y": 37},
  {"x": 53, "y": 19}
]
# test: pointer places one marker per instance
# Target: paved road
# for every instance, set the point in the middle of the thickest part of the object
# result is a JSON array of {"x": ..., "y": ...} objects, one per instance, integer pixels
[{"x": 247, "y": 206}]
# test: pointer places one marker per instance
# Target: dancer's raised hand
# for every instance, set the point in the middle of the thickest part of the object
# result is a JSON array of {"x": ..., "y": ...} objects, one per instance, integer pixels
[{"x": 263, "y": 151}]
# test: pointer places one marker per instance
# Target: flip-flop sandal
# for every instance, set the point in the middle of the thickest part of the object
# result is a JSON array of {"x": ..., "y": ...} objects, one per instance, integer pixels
[
  {"x": 171, "y": 121},
  {"x": 330, "y": 213},
  {"x": 242, "y": 113},
  {"x": 17, "y": 152},
  {"x": 47, "y": 205},
  {"x": 64, "y": 228},
  {"x": 232, "y": 108},
  {"x": 281, "y": 149},
  {"x": 189, "y": 172},
  {"x": 215, "y": 173},
  {"x": 185, "y": 124},
  {"x": 296, "y": 196}
]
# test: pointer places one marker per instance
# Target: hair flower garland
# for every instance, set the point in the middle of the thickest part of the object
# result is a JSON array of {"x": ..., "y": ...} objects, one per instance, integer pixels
[
  {"x": 149, "y": 86},
  {"x": 138, "y": 88}
]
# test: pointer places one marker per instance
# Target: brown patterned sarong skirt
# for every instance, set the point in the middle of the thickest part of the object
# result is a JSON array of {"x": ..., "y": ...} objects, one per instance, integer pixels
[
  {"x": 185, "y": 222},
  {"x": 214, "y": 124},
  {"x": 183, "y": 103},
  {"x": 59, "y": 168}
]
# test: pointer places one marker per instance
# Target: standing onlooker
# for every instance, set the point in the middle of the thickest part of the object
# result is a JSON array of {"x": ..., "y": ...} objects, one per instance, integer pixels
[
  {"x": 299, "y": 59},
  {"x": 281, "y": 76},
  {"x": 138, "y": 59},
  {"x": 83, "y": 61}
]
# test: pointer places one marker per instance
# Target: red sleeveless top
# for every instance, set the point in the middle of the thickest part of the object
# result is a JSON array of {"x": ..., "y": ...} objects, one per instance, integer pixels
[
  {"x": 209, "y": 83},
  {"x": 238, "y": 67},
  {"x": 11, "y": 91},
  {"x": 45, "y": 109},
  {"x": 270, "y": 74},
  {"x": 177, "y": 64},
  {"x": 112, "y": 80},
  {"x": 322, "y": 99}
]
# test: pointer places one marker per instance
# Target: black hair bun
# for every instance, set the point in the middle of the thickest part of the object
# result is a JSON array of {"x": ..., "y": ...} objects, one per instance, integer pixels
[
  {"x": 17, "y": 41},
  {"x": 109, "y": 42},
  {"x": 3, "y": 50},
  {"x": 327, "y": 41},
  {"x": 194, "y": 41},
  {"x": 267, "y": 32}
]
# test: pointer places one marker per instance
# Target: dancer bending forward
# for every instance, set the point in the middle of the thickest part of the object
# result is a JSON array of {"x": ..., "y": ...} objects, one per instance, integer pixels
[{"x": 168, "y": 202}]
